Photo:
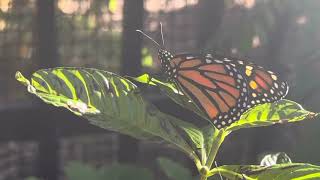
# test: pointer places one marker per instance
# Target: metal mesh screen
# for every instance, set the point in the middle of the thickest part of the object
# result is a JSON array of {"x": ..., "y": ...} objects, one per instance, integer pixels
[
  {"x": 88, "y": 34},
  {"x": 18, "y": 159},
  {"x": 16, "y": 45}
]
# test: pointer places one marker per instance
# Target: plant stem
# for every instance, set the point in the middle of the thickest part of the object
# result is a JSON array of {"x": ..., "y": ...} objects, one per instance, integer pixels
[
  {"x": 218, "y": 139},
  {"x": 203, "y": 177},
  {"x": 226, "y": 173}
]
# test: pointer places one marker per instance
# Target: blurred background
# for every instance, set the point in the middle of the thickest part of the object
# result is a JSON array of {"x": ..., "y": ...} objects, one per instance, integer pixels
[{"x": 39, "y": 140}]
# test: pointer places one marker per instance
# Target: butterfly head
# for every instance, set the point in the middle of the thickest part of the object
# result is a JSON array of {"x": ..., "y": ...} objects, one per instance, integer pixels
[{"x": 165, "y": 57}]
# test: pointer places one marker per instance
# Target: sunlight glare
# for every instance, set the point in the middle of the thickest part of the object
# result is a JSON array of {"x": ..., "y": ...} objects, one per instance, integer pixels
[
  {"x": 3, "y": 24},
  {"x": 246, "y": 3},
  {"x": 168, "y": 6},
  {"x": 68, "y": 6},
  {"x": 84, "y": 6},
  {"x": 301, "y": 20},
  {"x": 256, "y": 41},
  {"x": 5, "y": 5},
  {"x": 234, "y": 50}
]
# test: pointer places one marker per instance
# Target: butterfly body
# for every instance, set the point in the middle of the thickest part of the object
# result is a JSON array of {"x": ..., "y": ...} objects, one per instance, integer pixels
[
  {"x": 165, "y": 59},
  {"x": 221, "y": 87}
]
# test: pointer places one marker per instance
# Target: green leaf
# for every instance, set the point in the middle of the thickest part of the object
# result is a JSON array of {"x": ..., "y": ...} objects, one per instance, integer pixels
[
  {"x": 80, "y": 171},
  {"x": 112, "y": 6},
  {"x": 282, "y": 111},
  {"x": 210, "y": 135},
  {"x": 291, "y": 171},
  {"x": 112, "y": 102},
  {"x": 273, "y": 159},
  {"x": 173, "y": 170}
]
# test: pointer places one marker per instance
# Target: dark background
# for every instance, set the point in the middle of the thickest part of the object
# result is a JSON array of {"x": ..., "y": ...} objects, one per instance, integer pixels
[{"x": 39, "y": 140}]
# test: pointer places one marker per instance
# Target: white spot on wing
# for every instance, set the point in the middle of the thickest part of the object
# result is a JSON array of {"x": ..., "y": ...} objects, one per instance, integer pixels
[
  {"x": 209, "y": 55},
  {"x": 271, "y": 91}
]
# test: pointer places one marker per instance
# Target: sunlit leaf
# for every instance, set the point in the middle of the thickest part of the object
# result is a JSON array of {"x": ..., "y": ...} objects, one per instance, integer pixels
[
  {"x": 273, "y": 159},
  {"x": 291, "y": 171},
  {"x": 283, "y": 111},
  {"x": 111, "y": 102}
]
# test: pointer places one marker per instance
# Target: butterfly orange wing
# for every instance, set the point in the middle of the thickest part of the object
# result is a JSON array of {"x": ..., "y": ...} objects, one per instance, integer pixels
[
  {"x": 224, "y": 88},
  {"x": 213, "y": 87}
]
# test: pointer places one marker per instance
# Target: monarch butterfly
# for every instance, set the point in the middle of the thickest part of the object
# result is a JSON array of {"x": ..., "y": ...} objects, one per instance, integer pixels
[{"x": 221, "y": 87}]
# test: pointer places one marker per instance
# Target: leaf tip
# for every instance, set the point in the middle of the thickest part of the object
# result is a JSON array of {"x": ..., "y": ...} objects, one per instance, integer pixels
[
  {"x": 146, "y": 79},
  {"x": 22, "y": 79}
]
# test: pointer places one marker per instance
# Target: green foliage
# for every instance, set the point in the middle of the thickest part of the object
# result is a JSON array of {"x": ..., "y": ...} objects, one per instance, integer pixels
[
  {"x": 79, "y": 171},
  {"x": 283, "y": 111},
  {"x": 174, "y": 170},
  {"x": 112, "y": 102},
  {"x": 115, "y": 103}
]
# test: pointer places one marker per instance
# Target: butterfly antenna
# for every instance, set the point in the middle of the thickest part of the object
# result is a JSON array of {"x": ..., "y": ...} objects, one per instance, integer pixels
[
  {"x": 149, "y": 37},
  {"x": 161, "y": 34},
  {"x": 215, "y": 163}
]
